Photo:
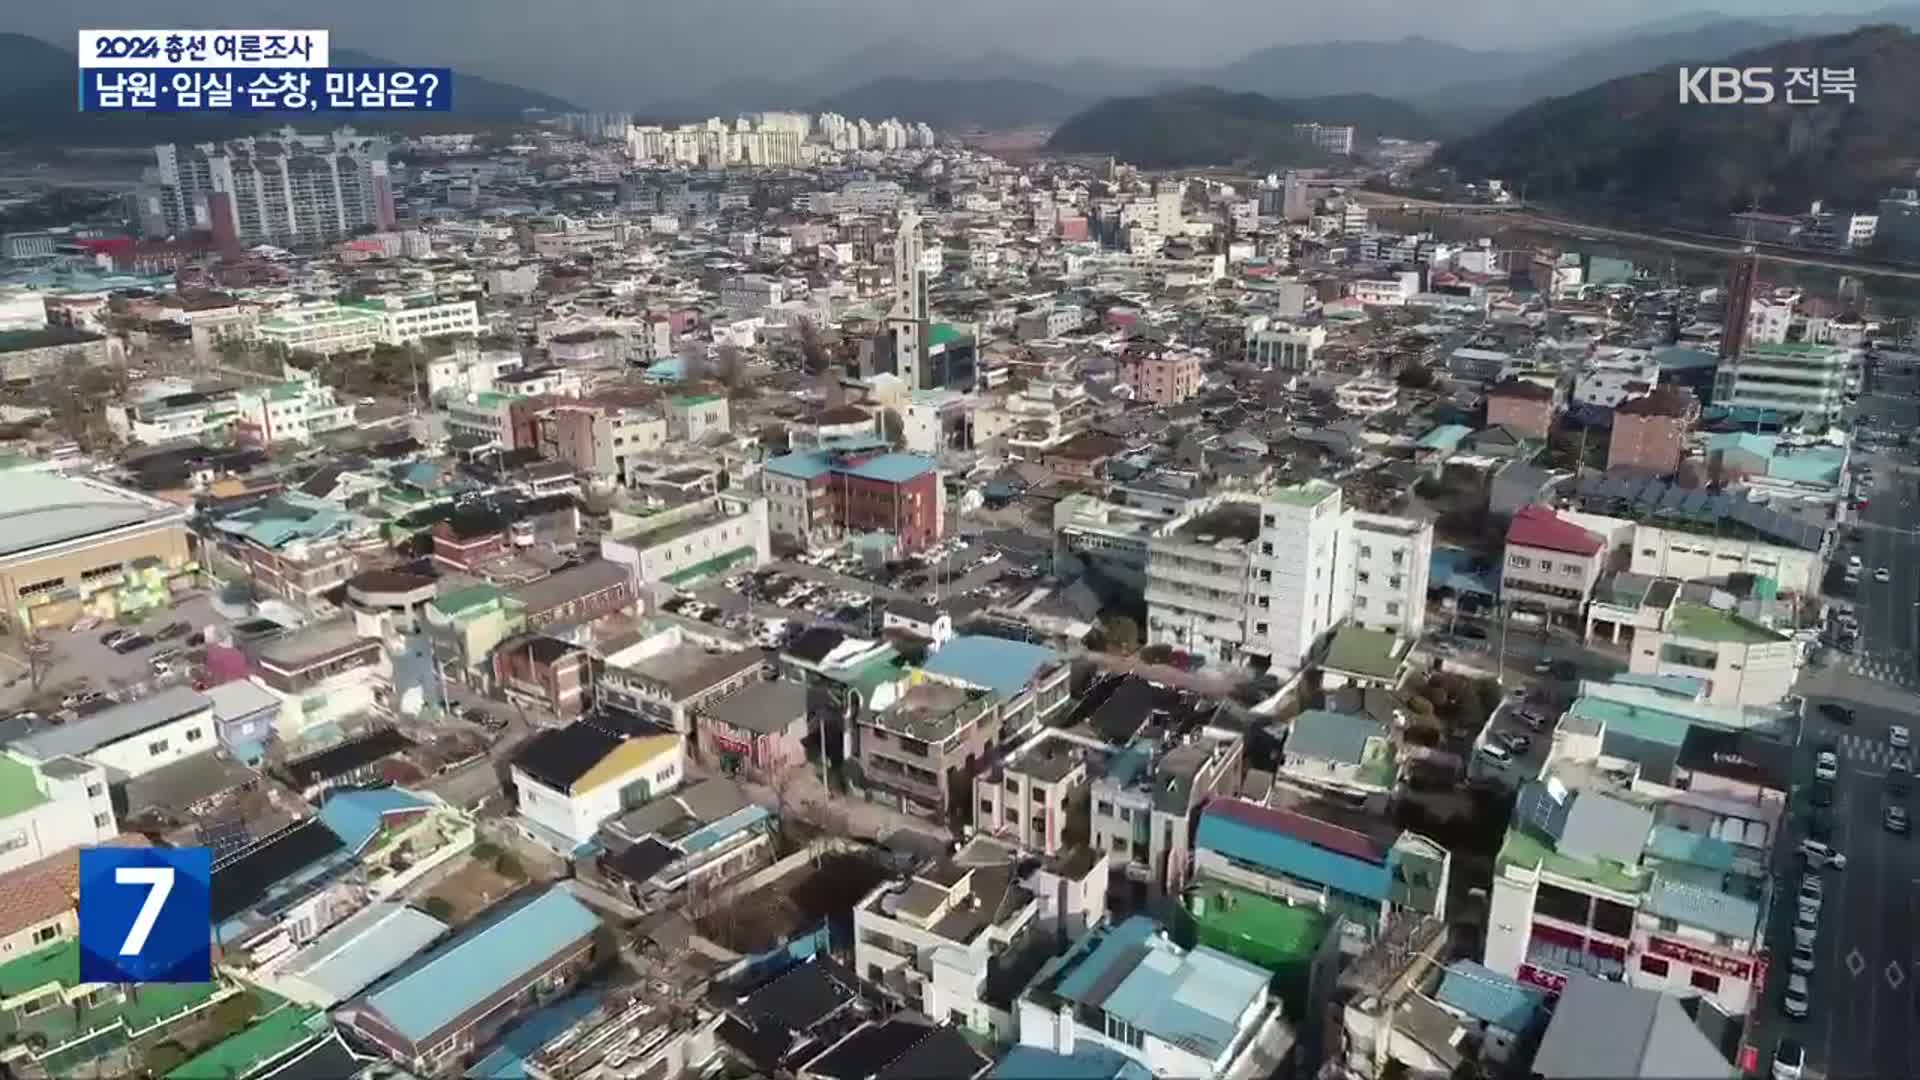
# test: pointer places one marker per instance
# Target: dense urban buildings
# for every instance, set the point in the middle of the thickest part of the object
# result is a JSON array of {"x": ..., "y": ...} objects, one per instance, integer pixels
[{"x": 1185, "y": 622}]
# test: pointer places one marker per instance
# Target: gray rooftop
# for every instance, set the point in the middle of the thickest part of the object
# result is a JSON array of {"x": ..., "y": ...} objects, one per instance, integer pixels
[
  {"x": 764, "y": 708},
  {"x": 112, "y": 725},
  {"x": 1607, "y": 1029},
  {"x": 40, "y": 508},
  {"x": 1331, "y": 736},
  {"x": 1601, "y": 827}
]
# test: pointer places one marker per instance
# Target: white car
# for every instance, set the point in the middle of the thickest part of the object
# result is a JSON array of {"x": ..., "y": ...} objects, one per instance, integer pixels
[
  {"x": 1826, "y": 766},
  {"x": 1796, "y": 1002},
  {"x": 1882, "y": 576},
  {"x": 1819, "y": 856},
  {"x": 1812, "y": 892},
  {"x": 1496, "y": 754},
  {"x": 1899, "y": 737}
]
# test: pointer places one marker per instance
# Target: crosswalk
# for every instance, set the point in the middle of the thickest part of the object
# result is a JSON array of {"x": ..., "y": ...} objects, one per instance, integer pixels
[
  {"x": 1899, "y": 672},
  {"x": 1862, "y": 749}
]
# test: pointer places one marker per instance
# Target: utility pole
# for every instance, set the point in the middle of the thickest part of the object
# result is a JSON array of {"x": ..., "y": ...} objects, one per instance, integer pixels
[{"x": 1500, "y": 611}]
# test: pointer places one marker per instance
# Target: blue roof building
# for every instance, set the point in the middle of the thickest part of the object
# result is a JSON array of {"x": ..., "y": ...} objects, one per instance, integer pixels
[
  {"x": 1490, "y": 997},
  {"x": 1195, "y": 1012},
  {"x": 1307, "y": 852},
  {"x": 423, "y": 1015}
]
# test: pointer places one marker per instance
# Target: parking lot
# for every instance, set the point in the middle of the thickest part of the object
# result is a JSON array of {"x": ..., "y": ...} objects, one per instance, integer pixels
[
  {"x": 1522, "y": 731},
  {"x": 774, "y": 603},
  {"x": 78, "y": 660}
]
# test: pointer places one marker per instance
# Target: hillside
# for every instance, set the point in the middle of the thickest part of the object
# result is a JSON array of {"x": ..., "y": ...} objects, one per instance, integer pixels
[
  {"x": 37, "y": 82},
  {"x": 1406, "y": 68},
  {"x": 955, "y": 103},
  {"x": 1572, "y": 72},
  {"x": 1205, "y": 126},
  {"x": 1629, "y": 145}
]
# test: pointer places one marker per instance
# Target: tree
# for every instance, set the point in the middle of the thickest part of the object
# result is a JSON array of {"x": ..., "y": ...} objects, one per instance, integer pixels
[
  {"x": 509, "y": 866},
  {"x": 1414, "y": 376},
  {"x": 439, "y": 907},
  {"x": 233, "y": 1014},
  {"x": 814, "y": 357},
  {"x": 892, "y": 427},
  {"x": 731, "y": 368},
  {"x": 1119, "y": 634}
]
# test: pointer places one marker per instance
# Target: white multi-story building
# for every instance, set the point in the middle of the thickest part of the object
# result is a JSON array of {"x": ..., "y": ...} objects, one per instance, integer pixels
[
  {"x": 690, "y": 543},
  {"x": 324, "y": 329},
  {"x": 1769, "y": 318},
  {"x": 1251, "y": 576},
  {"x": 407, "y": 319},
  {"x": 470, "y": 371},
  {"x": 1391, "y": 563},
  {"x": 1333, "y": 138},
  {"x": 1393, "y": 291},
  {"x": 1807, "y": 379},
  {"x": 293, "y": 411},
  {"x": 1278, "y": 346},
  {"x": 53, "y": 805},
  {"x": 931, "y": 940},
  {"x": 1614, "y": 376}
]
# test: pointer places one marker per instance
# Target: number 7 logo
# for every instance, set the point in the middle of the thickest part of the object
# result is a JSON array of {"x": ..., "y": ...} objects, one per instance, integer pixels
[
  {"x": 159, "y": 883},
  {"x": 146, "y": 915}
]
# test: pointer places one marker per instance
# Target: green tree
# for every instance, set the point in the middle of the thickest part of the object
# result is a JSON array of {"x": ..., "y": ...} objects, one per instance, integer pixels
[
  {"x": 439, "y": 907},
  {"x": 509, "y": 866}
]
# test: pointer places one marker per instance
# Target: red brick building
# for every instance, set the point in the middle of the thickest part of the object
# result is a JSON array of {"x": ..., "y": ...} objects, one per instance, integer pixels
[
  {"x": 817, "y": 495},
  {"x": 464, "y": 546},
  {"x": 1651, "y": 432},
  {"x": 1525, "y": 407},
  {"x": 544, "y": 672},
  {"x": 579, "y": 594}
]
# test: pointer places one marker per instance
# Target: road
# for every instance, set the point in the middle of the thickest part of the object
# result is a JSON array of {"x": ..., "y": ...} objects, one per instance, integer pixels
[
  {"x": 1889, "y": 612},
  {"x": 1865, "y": 978}
]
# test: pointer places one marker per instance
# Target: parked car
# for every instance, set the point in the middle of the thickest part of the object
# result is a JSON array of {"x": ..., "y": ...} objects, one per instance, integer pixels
[
  {"x": 1802, "y": 959},
  {"x": 1895, "y": 820},
  {"x": 1806, "y": 927},
  {"x": 1795, "y": 1002},
  {"x": 1899, "y": 737},
  {"x": 1789, "y": 1060},
  {"x": 1515, "y": 742},
  {"x": 174, "y": 629},
  {"x": 1820, "y": 856},
  {"x": 1822, "y": 794},
  {"x": 1826, "y": 766},
  {"x": 133, "y": 643},
  {"x": 1497, "y": 754}
]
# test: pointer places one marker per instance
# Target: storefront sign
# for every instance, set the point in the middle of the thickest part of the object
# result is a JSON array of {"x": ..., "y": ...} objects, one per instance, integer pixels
[
  {"x": 1551, "y": 981},
  {"x": 1700, "y": 958}
]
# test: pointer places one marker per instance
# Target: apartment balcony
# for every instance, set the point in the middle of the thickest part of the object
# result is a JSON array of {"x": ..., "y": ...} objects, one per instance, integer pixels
[{"x": 1177, "y": 604}]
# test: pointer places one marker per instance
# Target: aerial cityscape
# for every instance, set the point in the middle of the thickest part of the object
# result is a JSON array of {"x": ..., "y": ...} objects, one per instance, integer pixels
[{"x": 1303, "y": 553}]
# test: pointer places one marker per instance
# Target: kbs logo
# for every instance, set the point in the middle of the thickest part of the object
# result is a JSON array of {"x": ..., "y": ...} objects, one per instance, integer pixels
[
  {"x": 146, "y": 915},
  {"x": 1760, "y": 85}
]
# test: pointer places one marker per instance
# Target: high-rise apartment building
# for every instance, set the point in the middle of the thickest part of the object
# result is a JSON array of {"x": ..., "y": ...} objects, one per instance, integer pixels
[
  {"x": 1333, "y": 138},
  {"x": 284, "y": 188}
]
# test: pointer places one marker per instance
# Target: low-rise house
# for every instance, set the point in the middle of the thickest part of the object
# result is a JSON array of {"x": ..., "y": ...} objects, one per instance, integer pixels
[
  {"x": 1602, "y": 1028},
  {"x": 1340, "y": 751},
  {"x": 1349, "y": 868},
  {"x": 456, "y": 998},
  {"x": 545, "y": 673},
  {"x": 758, "y": 731},
  {"x": 1130, "y": 989},
  {"x": 1551, "y": 563},
  {"x": 465, "y": 624},
  {"x": 935, "y": 939},
  {"x": 695, "y": 840},
  {"x": 666, "y": 677},
  {"x": 323, "y": 673},
  {"x": 569, "y": 780},
  {"x": 1145, "y": 807},
  {"x": 1739, "y": 661},
  {"x": 130, "y": 740}
]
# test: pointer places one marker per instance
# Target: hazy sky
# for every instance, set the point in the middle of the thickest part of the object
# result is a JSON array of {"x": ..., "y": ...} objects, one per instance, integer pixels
[{"x": 615, "y": 53}]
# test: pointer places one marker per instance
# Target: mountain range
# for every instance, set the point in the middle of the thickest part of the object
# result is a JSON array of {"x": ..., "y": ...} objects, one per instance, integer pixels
[
  {"x": 37, "y": 82},
  {"x": 1631, "y": 143},
  {"x": 1208, "y": 126}
]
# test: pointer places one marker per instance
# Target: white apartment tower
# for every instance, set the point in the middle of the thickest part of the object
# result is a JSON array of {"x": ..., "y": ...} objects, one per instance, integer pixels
[
  {"x": 1297, "y": 584},
  {"x": 908, "y": 316},
  {"x": 286, "y": 188}
]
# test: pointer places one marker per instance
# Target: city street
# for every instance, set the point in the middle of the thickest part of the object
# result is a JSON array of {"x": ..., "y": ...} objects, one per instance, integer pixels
[{"x": 1889, "y": 612}]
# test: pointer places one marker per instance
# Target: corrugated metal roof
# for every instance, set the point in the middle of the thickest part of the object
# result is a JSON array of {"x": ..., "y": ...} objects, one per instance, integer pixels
[
  {"x": 432, "y": 993},
  {"x": 1489, "y": 996},
  {"x": 1292, "y": 856},
  {"x": 1002, "y": 666},
  {"x": 355, "y": 815},
  {"x": 1692, "y": 905},
  {"x": 112, "y": 725}
]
